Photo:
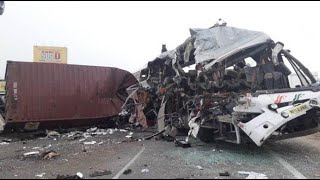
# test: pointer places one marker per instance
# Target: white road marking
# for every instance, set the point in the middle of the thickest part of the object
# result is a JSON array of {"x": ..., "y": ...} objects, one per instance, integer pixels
[
  {"x": 2, "y": 123},
  {"x": 132, "y": 160},
  {"x": 288, "y": 166}
]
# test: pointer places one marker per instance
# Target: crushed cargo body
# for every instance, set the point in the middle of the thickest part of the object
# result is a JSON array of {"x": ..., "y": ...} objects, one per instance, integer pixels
[
  {"x": 227, "y": 83},
  {"x": 53, "y": 95}
]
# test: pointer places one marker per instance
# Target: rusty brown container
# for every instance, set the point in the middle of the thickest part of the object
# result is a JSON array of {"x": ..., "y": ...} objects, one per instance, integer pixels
[{"x": 43, "y": 92}]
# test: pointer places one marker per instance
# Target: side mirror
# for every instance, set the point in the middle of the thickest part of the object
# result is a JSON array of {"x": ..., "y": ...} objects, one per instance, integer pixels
[{"x": 1, "y": 7}]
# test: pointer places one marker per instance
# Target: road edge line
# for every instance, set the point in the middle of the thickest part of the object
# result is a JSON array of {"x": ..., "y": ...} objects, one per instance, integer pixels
[
  {"x": 288, "y": 166},
  {"x": 132, "y": 161}
]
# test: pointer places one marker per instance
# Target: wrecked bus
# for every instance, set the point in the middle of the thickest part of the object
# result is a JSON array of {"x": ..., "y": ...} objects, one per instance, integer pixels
[{"x": 227, "y": 83}]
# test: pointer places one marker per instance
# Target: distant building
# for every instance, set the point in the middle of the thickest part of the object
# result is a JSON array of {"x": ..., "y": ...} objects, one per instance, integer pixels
[{"x": 2, "y": 87}]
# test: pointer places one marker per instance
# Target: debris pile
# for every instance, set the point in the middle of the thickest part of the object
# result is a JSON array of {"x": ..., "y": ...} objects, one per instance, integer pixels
[
  {"x": 84, "y": 135},
  {"x": 78, "y": 175}
]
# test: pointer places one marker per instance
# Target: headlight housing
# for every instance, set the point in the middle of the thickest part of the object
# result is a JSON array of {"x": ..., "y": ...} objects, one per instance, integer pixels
[
  {"x": 285, "y": 114},
  {"x": 313, "y": 103},
  {"x": 274, "y": 106}
]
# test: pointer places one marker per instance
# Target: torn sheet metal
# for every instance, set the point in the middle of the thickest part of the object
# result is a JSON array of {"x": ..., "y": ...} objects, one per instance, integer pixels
[
  {"x": 237, "y": 90},
  {"x": 141, "y": 99},
  {"x": 220, "y": 42}
]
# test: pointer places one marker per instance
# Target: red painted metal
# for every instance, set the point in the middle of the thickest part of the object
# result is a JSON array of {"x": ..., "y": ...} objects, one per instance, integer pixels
[{"x": 38, "y": 92}]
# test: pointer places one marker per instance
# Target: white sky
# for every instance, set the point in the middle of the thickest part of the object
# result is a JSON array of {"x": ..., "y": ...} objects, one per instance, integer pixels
[{"x": 129, "y": 34}]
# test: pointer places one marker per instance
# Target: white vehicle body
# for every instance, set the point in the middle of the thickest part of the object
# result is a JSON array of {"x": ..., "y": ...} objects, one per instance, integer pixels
[
  {"x": 226, "y": 98},
  {"x": 263, "y": 126}
]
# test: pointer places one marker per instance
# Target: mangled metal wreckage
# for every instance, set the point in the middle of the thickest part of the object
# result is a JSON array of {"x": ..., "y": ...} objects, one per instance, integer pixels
[{"x": 238, "y": 90}]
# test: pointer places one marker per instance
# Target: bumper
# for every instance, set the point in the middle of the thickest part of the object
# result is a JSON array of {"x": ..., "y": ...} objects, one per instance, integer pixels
[{"x": 260, "y": 128}]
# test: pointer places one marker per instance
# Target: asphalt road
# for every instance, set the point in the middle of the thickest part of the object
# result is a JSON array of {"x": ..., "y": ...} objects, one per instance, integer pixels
[{"x": 293, "y": 158}]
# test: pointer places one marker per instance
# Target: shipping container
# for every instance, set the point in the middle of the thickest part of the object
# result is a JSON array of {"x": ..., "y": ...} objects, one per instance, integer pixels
[{"x": 42, "y": 93}]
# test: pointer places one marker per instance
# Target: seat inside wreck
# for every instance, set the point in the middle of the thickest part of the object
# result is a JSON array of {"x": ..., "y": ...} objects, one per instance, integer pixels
[{"x": 181, "y": 86}]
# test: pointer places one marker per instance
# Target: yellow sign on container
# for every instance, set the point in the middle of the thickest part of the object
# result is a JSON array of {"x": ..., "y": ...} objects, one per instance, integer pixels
[
  {"x": 50, "y": 54},
  {"x": 2, "y": 86}
]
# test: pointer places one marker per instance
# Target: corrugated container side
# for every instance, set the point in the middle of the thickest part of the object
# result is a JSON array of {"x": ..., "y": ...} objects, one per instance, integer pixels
[{"x": 38, "y": 92}]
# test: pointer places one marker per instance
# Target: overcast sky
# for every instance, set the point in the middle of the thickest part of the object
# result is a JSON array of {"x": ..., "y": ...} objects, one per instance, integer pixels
[{"x": 129, "y": 34}]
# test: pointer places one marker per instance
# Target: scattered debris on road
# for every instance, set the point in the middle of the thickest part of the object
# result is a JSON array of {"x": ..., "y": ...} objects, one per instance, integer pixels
[
  {"x": 100, "y": 143},
  {"x": 100, "y": 173},
  {"x": 52, "y": 134},
  {"x": 90, "y": 143},
  {"x": 123, "y": 130},
  {"x": 129, "y": 135},
  {"x": 128, "y": 171},
  {"x": 154, "y": 135},
  {"x": 36, "y": 148},
  {"x": 6, "y": 140},
  {"x": 145, "y": 170},
  {"x": 31, "y": 153},
  {"x": 110, "y": 131},
  {"x": 40, "y": 175},
  {"x": 224, "y": 174},
  {"x": 78, "y": 175},
  {"x": 49, "y": 154},
  {"x": 253, "y": 175},
  {"x": 183, "y": 143}
]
